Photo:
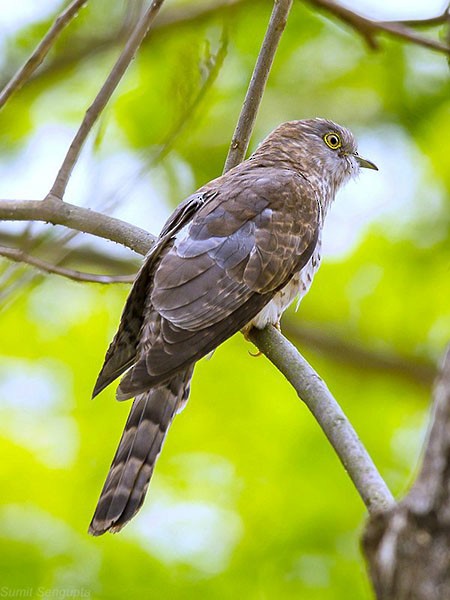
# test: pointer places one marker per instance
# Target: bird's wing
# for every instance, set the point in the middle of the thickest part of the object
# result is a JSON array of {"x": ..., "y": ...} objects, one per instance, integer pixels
[
  {"x": 122, "y": 351},
  {"x": 222, "y": 268}
]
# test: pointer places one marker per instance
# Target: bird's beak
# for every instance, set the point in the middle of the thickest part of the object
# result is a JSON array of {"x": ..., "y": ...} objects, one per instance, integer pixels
[{"x": 366, "y": 164}]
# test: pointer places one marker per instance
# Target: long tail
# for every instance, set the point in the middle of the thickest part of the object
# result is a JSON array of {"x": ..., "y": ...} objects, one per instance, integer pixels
[{"x": 132, "y": 467}]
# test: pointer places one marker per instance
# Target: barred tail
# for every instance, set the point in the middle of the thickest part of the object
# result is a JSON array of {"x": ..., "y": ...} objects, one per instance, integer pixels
[{"x": 132, "y": 467}]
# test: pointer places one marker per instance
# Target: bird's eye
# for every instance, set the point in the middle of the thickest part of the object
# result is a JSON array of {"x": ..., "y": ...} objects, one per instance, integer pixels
[{"x": 332, "y": 140}]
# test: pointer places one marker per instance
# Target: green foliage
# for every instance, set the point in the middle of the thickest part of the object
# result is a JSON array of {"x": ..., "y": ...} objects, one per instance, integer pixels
[{"x": 248, "y": 499}]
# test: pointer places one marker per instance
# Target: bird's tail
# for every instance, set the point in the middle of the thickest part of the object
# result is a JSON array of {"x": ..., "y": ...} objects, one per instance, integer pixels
[{"x": 132, "y": 467}]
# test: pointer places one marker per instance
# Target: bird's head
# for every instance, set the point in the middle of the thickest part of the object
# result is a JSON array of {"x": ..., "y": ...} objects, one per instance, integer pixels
[
  {"x": 333, "y": 147},
  {"x": 322, "y": 151}
]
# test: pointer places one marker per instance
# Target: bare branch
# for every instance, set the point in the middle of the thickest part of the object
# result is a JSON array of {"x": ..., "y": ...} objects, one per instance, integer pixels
[
  {"x": 432, "y": 22},
  {"x": 140, "y": 31},
  {"x": 41, "y": 51},
  {"x": 53, "y": 211},
  {"x": 408, "y": 547},
  {"x": 21, "y": 257},
  {"x": 244, "y": 127},
  {"x": 403, "y": 32},
  {"x": 369, "y": 28},
  {"x": 318, "y": 398},
  {"x": 84, "y": 254}
]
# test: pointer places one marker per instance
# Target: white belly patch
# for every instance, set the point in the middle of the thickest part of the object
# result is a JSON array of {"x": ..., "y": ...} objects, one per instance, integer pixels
[{"x": 298, "y": 286}]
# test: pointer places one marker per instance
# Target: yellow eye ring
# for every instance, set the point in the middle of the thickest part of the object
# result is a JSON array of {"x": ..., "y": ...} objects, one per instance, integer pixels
[{"x": 332, "y": 140}]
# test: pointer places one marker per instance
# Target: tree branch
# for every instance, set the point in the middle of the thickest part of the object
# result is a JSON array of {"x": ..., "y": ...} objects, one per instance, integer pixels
[
  {"x": 22, "y": 257},
  {"x": 140, "y": 31},
  {"x": 369, "y": 28},
  {"x": 407, "y": 547},
  {"x": 53, "y": 211},
  {"x": 246, "y": 121},
  {"x": 431, "y": 22},
  {"x": 41, "y": 51},
  {"x": 315, "y": 394},
  {"x": 83, "y": 254}
]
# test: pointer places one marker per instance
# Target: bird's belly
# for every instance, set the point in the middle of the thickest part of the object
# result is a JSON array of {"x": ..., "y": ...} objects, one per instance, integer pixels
[{"x": 298, "y": 286}]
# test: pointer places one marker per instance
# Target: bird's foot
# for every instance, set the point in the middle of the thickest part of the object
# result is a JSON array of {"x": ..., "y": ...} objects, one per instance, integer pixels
[
  {"x": 255, "y": 354},
  {"x": 277, "y": 325},
  {"x": 246, "y": 333}
]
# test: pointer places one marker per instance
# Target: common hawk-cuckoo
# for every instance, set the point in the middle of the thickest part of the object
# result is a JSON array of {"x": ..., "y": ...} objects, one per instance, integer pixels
[{"x": 233, "y": 255}]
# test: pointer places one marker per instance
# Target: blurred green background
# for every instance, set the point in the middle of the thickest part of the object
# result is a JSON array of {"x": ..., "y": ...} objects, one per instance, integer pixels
[{"x": 248, "y": 500}]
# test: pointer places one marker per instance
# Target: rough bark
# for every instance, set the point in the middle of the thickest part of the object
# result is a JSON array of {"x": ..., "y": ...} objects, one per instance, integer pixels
[{"x": 408, "y": 546}]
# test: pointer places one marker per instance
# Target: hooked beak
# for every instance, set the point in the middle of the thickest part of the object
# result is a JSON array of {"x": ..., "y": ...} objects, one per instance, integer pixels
[{"x": 366, "y": 164}]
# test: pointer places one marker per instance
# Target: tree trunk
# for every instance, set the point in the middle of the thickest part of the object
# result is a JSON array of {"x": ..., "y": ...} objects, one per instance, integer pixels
[{"x": 408, "y": 546}]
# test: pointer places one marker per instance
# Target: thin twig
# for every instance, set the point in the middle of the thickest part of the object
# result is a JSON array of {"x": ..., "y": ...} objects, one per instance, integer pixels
[
  {"x": 403, "y": 32},
  {"x": 19, "y": 256},
  {"x": 83, "y": 254},
  {"x": 431, "y": 22},
  {"x": 246, "y": 121},
  {"x": 59, "y": 186},
  {"x": 82, "y": 219},
  {"x": 369, "y": 28},
  {"x": 41, "y": 51},
  {"x": 318, "y": 398}
]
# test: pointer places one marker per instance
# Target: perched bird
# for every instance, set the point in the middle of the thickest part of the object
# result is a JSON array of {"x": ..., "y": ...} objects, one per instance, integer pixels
[{"x": 232, "y": 256}]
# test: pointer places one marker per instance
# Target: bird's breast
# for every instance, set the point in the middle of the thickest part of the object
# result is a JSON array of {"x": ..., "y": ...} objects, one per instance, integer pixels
[{"x": 297, "y": 287}]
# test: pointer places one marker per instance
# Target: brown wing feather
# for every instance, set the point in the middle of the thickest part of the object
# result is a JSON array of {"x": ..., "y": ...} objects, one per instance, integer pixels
[
  {"x": 122, "y": 351},
  {"x": 239, "y": 250}
]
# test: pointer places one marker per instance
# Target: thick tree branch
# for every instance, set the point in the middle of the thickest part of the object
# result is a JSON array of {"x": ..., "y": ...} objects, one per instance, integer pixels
[
  {"x": 315, "y": 394},
  {"x": 53, "y": 211},
  {"x": 140, "y": 31},
  {"x": 246, "y": 121},
  {"x": 41, "y": 51},
  {"x": 407, "y": 547}
]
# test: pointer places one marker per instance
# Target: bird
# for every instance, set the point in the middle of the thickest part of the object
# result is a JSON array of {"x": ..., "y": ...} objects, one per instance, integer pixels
[{"x": 232, "y": 256}]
